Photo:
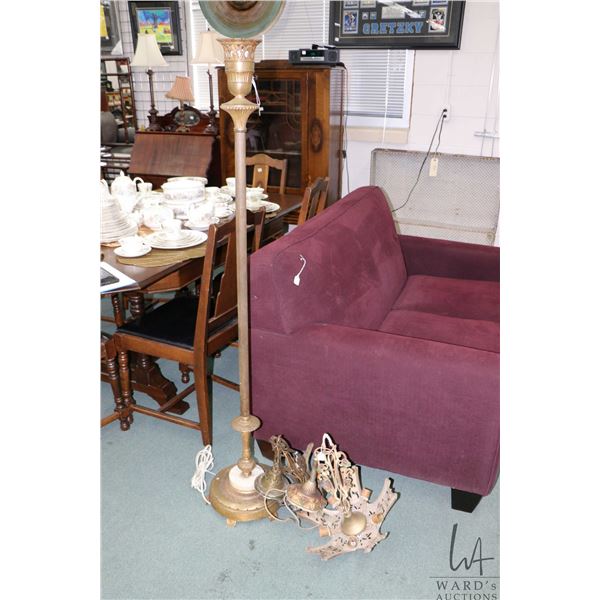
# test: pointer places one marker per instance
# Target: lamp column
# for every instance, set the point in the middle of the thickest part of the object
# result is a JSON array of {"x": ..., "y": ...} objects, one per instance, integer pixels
[
  {"x": 152, "y": 113},
  {"x": 147, "y": 54},
  {"x": 232, "y": 492}
]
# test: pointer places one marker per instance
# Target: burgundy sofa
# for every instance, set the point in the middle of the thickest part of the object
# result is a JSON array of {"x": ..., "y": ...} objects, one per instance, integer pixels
[{"x": 390, "y": 343}]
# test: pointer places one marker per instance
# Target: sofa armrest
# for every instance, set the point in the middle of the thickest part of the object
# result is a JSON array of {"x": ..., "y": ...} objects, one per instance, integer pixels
[
  {"x": 424, "y": 409},
  {"x": 443, "y": 258}
]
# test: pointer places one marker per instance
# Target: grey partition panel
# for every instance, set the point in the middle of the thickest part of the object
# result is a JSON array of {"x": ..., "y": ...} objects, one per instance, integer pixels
[{"x": 460, "y": 203}]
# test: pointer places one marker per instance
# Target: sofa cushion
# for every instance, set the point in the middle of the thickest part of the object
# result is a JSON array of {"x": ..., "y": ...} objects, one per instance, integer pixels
[
  {"x": 445, "y": 296},
  {"x": 472, "y": 333},
  {"x": 354, "y": 268}
]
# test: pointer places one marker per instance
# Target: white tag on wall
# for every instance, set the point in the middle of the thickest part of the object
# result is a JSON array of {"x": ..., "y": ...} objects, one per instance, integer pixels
[{"x": 433, "y": 166}]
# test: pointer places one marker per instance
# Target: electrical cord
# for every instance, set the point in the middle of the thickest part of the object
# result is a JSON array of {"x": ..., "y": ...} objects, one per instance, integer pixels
[
  {"x": 440, "y": 134},
  {"x": 440, "y": 121},
  {"x": 204, "y": 464}
]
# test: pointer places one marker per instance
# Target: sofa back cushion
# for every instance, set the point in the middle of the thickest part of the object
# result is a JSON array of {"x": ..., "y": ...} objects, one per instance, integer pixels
[{"x": 353, "y": 274}]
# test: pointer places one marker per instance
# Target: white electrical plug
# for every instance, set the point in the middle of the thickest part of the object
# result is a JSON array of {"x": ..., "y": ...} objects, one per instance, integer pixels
[{"x": 297, "y": 276}]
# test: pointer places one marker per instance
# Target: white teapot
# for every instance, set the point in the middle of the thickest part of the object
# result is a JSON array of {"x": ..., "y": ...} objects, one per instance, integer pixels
[
  {"x": 122, "y": 184},
  {"x": 124, "y": 190}
]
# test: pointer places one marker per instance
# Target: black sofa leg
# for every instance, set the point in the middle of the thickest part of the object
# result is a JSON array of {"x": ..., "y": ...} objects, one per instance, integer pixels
[{"x": 465, "y": 501}]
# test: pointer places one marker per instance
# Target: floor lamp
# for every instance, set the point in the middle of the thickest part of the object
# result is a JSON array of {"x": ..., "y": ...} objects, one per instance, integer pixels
[
  {"x": 209, "y": 52},
  {"x": 232, "y": 491},
  {"x": 147, "y": 54}
]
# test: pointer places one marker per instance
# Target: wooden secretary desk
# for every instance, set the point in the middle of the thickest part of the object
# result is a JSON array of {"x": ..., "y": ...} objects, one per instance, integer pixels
[{"x": 302, "y": 120}]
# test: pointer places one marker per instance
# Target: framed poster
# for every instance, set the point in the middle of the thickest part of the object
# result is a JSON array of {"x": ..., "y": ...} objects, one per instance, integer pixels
[
  {"x": 110, "y": 35},
  {"x": 159, "y": 18},
  {"x": 396, "y": 24}
]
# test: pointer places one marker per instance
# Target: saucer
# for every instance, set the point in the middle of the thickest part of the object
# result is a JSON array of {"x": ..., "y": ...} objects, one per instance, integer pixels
[
  {"x": 141, "y": 252},
  {"x": 270, "y": 207},
  {"x": 230, "y": 211},
  {"x": 202, "y": 227}
]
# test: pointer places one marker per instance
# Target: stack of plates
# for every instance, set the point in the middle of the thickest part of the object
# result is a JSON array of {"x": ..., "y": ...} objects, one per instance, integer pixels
[
  {"x": 188, "y": 239},
  {"x": 115, "y": 224}
]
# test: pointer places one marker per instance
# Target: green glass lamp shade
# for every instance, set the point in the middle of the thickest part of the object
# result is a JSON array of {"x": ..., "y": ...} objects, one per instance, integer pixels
[{"x": 241, "y": 19}]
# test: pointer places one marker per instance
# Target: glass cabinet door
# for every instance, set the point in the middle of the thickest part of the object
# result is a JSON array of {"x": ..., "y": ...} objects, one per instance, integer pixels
[{"x": 278, "y": 131}]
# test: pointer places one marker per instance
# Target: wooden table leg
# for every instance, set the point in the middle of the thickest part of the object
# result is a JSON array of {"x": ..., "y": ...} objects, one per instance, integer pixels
[{"x": 146, "y": 375}]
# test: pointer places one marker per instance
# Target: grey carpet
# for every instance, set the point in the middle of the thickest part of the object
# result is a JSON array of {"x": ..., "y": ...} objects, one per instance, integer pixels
[{"x": 160, "y": 540}]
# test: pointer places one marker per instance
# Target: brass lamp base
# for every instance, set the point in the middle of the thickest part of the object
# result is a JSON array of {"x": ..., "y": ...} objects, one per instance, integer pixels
[{"x": 238, "y": 505}]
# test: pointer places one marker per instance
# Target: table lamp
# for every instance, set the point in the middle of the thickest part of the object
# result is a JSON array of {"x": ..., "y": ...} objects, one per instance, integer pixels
[
  {"x": 147, "y": 54},
  {"x": 209, "y": 52},
  {"x": 182, "y": 91}
]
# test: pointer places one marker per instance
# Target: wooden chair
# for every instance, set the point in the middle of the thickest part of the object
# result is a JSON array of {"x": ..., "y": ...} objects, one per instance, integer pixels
[
  {"x": 314, "y": 199},
  {"x": 189, "y": 330},
  {"x": 262, "y": 163},
  {"x": 108, "y": 355}
]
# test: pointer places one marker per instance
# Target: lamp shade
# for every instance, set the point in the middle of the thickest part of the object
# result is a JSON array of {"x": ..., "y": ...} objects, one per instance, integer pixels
[
  {"x": 208, "y": 50},
  {"x": 181, "y": 90},
  {"x": 147, "y": 53}
]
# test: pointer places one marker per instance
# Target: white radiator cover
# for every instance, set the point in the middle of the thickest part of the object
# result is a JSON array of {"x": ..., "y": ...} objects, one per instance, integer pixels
[{"x": 461, "y": 203}]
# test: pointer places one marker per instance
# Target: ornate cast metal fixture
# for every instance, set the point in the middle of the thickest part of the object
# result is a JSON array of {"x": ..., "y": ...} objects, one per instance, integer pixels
[{"x": 329, "y": 494}]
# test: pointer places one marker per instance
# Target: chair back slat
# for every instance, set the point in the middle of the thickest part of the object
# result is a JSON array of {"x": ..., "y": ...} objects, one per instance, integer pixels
[
  {"x": 218, "y": 238},
  {"x": 314, "y": 199},
  {"x": 262, "y": 164},
  {"x": 227, "y": 295},
  {"x": 217, "y": 299}
]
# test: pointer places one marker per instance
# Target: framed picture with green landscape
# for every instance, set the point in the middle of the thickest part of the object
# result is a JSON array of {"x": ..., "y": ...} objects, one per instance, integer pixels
[{"x": 159, "y": 18}]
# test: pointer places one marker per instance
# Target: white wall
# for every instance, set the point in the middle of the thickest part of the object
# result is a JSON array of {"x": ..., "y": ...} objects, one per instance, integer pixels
[
  {"x": 459, "y": 79},
  {"x": 163, "y": 77}
]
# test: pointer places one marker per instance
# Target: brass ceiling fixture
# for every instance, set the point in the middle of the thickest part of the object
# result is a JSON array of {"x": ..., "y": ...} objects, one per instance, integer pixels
[{"x": 328, "y": 494}]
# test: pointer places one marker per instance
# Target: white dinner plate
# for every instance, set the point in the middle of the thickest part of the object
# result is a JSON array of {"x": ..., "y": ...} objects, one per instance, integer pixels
[
  {"x": 123, "y": 254},
  {"x": 189, "y": 239}
]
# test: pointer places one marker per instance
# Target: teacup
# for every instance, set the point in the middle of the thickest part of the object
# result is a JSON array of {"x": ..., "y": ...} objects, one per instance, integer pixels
[
  {"x": 253, "y": 196},
  {"x": 212, "y": 191},
  {"x": 222, "y": 209},
  {"x": 132, "y": 244},
  {"x": 145, "y": 187},
  {"x": 201, "y": 213},
  {"x": 230, "y": 181},
  {"x": 254, "y": 191},
  {"x": 172, "y": 229}
]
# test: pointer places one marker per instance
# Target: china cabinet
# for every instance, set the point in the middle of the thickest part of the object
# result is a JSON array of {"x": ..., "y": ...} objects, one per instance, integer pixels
[
  {"x": 301, "y": 120},
  {"x": 117, "y": 92}
]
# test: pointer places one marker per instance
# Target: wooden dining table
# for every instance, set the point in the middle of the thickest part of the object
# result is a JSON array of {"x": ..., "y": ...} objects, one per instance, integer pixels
[{"x": 146, "y": 376}]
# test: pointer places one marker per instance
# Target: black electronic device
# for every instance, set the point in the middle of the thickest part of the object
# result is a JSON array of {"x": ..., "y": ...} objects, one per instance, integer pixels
[{"x": 315, "y": 56}]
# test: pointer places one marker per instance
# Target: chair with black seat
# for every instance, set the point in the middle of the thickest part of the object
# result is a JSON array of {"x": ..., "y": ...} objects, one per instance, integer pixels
[
  {"x": 262, "y": 163},
  {"x": 189, "y": 330},
  {"x": 314, "y": 199},
  {"x": 108, "y": 355}
]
